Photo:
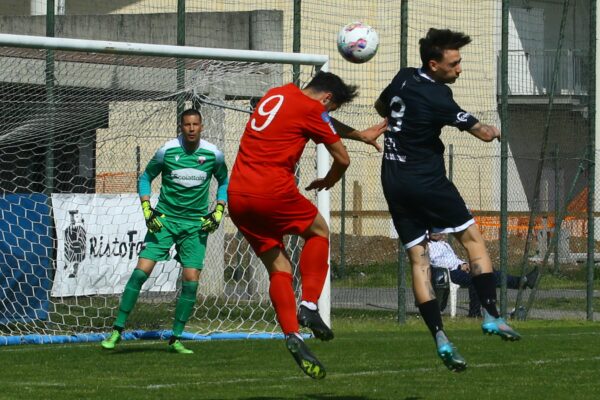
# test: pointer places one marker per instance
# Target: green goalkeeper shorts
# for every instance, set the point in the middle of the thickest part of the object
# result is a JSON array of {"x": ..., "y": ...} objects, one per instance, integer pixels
[{"x": 188, "y": 238}]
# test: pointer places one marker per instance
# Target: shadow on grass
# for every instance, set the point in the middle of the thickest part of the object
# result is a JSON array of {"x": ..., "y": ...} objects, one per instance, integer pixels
[
  {"x": 132, "y": 350},
  {"x": 317, "y": 397},
  {"x": 307, "y": 397}
]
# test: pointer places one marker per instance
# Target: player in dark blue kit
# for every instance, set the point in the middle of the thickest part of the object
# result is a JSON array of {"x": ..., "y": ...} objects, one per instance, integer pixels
[{"x": 418, "y": 104}]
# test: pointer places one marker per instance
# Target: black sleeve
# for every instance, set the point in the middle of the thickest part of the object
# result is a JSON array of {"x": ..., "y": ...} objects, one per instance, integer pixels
[
  {"x": 384, "y": 99},
  {"x": 450, "y": 113}
]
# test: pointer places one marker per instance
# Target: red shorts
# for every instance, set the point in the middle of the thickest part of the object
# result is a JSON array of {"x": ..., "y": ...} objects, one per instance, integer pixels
[{"x": 264, "y": 221}]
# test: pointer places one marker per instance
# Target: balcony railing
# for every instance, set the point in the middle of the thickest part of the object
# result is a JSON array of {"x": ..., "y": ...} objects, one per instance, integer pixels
[{"x": 530, "y": 73}]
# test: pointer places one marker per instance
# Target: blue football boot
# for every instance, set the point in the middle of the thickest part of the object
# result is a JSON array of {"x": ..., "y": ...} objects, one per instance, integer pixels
[
  {"x": 498, "y": 326},
  {"x": 448, "y": 353}
]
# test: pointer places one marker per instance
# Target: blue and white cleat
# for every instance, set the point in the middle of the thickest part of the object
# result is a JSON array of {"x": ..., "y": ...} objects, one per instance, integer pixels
[
  {"x": 448, "y": 353},
  {"x": 498, "y": 326}
]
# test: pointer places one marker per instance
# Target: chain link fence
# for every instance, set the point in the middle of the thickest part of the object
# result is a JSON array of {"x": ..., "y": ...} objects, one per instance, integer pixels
[{"x": 548, "y": 108}]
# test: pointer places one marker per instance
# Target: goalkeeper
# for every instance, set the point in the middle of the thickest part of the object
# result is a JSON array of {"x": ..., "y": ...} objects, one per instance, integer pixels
[{"x": 187, "y": 164}]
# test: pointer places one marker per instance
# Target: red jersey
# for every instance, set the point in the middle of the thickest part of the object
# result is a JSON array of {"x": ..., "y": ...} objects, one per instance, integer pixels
[{"x": 274, "y": 139}]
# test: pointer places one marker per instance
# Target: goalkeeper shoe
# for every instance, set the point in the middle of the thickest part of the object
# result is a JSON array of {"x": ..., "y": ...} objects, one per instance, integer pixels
[
  {"x": 179, "y": 348},
  {"x": 448, "y": 353},
  {"x": 312, "y": 320},
  {"x": 497, "y": 326},
  {"x": 110, "y": 342},
  {"x": 307, "y": 362}
]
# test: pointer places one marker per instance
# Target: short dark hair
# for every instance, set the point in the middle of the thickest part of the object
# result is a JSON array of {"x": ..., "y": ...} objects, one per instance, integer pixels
[
  {"x": 190, "y": 111},
  {"x": 341, "y": 93},
  {"x": 432, "y": 46}
]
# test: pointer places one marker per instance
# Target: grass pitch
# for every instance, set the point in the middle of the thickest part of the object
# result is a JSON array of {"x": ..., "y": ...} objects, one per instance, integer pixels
[{"x": 370, "y": 358}]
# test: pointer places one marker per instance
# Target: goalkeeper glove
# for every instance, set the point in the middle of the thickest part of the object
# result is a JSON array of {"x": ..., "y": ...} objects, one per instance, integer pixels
[
  {"x": 211, "y": 222},
  {"x": 152, "y": 217}
]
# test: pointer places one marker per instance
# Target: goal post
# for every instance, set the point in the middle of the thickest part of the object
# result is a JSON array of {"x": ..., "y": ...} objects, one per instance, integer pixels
[{"x": 70, "y": 155}]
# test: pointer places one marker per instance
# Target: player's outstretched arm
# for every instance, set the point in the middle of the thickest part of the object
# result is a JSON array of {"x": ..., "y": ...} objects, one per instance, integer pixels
[
  {"x": 484, "y": 132},
  {"x": 368, "y": 136},
  {"x": 341, "y": 162}
]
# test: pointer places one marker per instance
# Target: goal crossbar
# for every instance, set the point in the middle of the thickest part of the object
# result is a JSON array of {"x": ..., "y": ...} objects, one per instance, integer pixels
[{"x": 159, "y": 50}]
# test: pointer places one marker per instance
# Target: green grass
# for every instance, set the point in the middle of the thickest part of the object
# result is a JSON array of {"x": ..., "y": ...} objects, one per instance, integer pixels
[
  {"x": 370, "y": 358},
  {"x": 567, "y": 278},
  {"x": 374, "y": 275}
]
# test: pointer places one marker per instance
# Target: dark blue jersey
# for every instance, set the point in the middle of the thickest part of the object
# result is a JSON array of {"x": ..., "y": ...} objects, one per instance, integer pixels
[{"x": 417, "y": 109}]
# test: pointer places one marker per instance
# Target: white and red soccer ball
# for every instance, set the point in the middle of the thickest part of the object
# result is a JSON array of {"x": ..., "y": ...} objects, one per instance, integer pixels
[{"x": 357, "y": 42}]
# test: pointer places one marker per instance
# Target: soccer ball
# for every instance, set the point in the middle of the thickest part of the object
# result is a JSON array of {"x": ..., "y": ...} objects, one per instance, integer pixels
[{"x": 357, "y": 42}]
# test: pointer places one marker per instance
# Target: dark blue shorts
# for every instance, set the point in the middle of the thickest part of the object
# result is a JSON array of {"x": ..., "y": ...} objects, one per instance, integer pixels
[{"x": 420, "y": 204}]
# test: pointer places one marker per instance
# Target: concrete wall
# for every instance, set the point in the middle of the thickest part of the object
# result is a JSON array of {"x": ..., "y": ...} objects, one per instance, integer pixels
[
  {"x": 235, "y": 30},
  {"x": 15, "y": 7}
]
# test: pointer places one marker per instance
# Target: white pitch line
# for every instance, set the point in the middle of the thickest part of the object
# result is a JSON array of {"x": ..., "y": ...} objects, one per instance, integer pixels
[
  {"x": 593, "y": 333},
  {"x": 366, "y": 373},
  {"x": 41, "y": 384},
  {"x": 334, "y": 375}
]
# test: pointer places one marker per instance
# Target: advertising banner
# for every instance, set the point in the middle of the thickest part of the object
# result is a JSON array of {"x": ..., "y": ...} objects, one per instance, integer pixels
[{"x": 99, "y": 238}]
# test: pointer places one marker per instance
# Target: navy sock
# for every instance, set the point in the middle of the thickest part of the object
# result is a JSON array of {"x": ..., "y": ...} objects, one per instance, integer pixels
[
  {"x": 485, "y": 285},
  {"x": 430, "y": 311}
]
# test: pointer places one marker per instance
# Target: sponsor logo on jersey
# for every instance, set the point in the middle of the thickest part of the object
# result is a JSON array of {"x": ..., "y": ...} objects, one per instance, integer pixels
[
  {"x": 189, "y": 177},
  {"x": 462, "y": 116},
  {"x": 394, "y": 157}
]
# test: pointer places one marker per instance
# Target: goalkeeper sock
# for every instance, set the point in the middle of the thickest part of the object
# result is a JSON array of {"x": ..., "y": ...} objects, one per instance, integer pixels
[
  {"x": 185, "y": 306},
  {"x": 284, "y": 301},
  {"x": 314, "y": 267},
  {"x": 430, "y": 311},
  {"x": 485, "y": 286},
  {"x": 130, "y": 296}
]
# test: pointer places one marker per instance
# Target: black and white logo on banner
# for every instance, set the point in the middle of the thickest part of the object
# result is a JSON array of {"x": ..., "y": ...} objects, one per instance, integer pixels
[{"x": 75, "y": 243}]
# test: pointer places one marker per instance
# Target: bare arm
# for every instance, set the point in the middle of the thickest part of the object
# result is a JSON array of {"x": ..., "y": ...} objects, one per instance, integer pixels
[
  {"x": 484, "y": 132},
  {"x": 368, "y": 136},
  {"x": 341, "y": 162}
]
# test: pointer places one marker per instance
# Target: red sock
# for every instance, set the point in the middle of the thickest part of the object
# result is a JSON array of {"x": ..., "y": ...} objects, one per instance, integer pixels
[
  {"x": 284, "y": 301},
  {"x": 314, "y": 267}
]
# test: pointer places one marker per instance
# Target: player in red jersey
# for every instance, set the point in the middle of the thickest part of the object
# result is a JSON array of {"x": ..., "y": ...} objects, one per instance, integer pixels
[{"x": 265, "y": 203}]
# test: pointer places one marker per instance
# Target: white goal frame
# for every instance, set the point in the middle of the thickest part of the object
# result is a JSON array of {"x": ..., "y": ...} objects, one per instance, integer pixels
[{"x": 321, "y": 62}]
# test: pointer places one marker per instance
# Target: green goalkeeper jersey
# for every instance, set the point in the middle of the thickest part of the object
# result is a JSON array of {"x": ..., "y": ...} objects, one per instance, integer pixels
[{"x": 186, "y": 178}]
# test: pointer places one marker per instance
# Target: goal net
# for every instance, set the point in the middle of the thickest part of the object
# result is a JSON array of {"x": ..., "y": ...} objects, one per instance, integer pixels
[{"x": 77, "y": 129}]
